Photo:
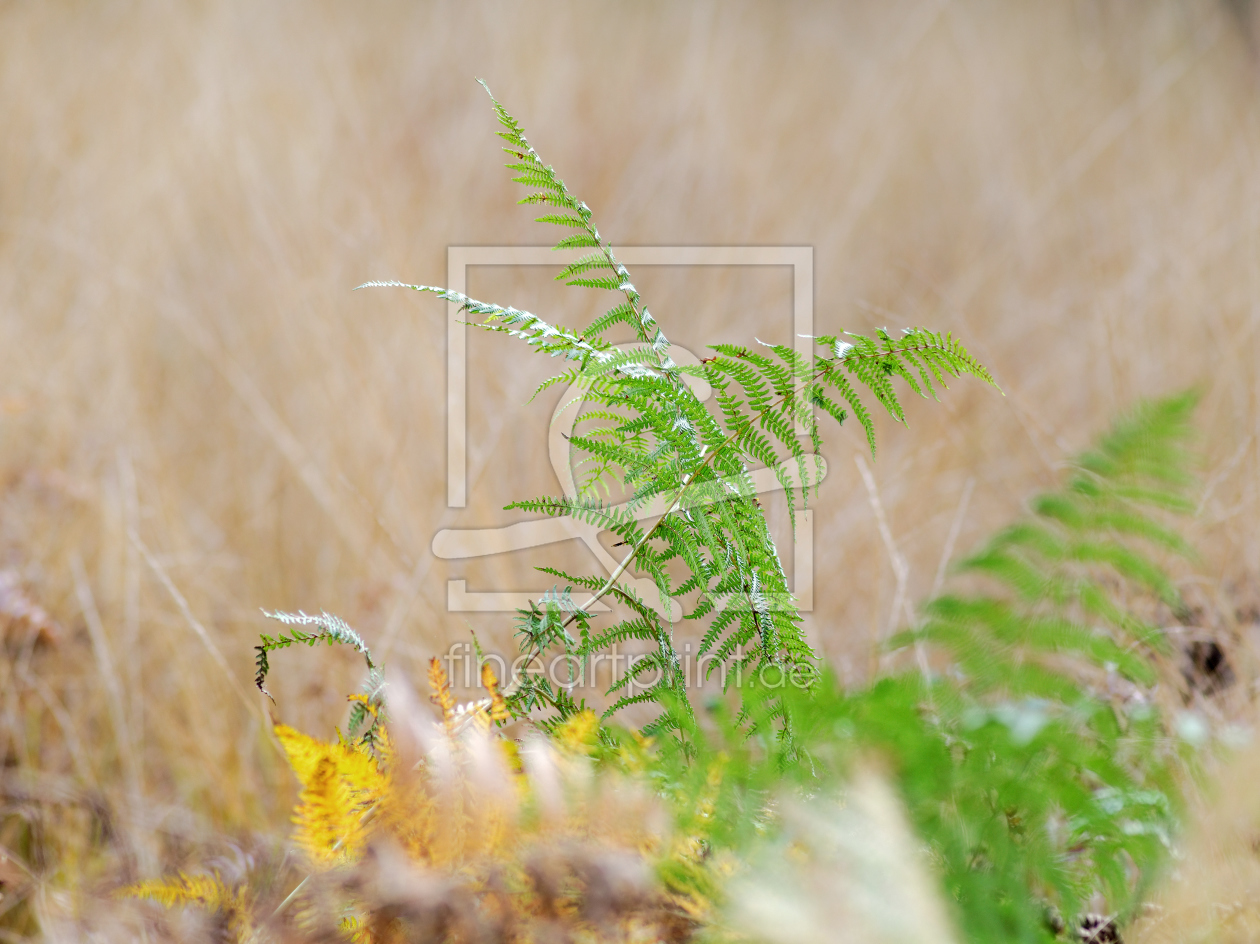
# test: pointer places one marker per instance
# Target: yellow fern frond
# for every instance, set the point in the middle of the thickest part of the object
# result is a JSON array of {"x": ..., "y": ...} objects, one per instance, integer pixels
[
  {"x": 385, "y": 748},
  {"x": 498, "y": 707},
  {"x": 328, "y": 819},
  {"x": 341, "y": 784},
  {"x": 365, "y": 701},
  {"x": 409, "y": 816},
  {"x": 205, "y": 891},
  {"x": 579, "y": 734},
  {"x": 362, "y": 773},
  {"x": 302, "y": 751},
  {"x": 201, "y": 891},
  {"x": 442, "y": 696},
  {"x": 357, "y": 929}
]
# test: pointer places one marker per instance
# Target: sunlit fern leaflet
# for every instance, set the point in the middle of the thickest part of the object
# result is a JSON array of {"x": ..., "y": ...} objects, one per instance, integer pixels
[{"x": 684, "y": 463}]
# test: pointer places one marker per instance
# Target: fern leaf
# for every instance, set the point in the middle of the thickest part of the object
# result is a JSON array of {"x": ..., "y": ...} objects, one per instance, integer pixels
[
  {"x": 205, "y": 891},
  {"x": 578, "y": 241},
  {"x": 332, "y": 630},
  {"x": 498, "y": 707},
  {"x": 594, "y": 260},
  {"x": 609, "y": 283},
  {"x": 201, "y": 891},
  {"x": 441, "y": 692},
  {"x": 340, "y": 785}
]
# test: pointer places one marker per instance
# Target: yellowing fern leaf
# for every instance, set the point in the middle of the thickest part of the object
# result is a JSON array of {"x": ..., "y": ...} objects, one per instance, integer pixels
[
  {"x": 365, "y": 701},
  {"x": 341, "y": 786},
  {"x": 442, "y": 696},
  {"x": 201, "y": 891},
  {"x": 498, "y": 706},
  {"x": 357, "y": 930},
  {"x": 579, "y": 734},
  {"x": 301, "y": 750},
  {"x": 384, "y": 748}
]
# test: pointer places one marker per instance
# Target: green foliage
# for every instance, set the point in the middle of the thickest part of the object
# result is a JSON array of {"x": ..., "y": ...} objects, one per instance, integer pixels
[
  {"x": 1033, "y": 761},
  {"x": 1064, "y": 567},
  {"x": 1026, "y": 744},
  {"x": 647, "y": 434}
]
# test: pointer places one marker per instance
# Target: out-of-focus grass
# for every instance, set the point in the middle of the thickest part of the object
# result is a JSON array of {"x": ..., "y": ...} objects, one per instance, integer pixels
[
  {"x": 197, "y": 419},
  {"x": 1213, "y": 889}
]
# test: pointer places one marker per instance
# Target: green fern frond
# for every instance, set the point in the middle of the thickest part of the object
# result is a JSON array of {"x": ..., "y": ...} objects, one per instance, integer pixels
[
  {"x": 1064, "y": 566},
  {"x": 687, "y": 463},
  {"x": 331, "y": 629},
  {"x": 578, "y": 241}
]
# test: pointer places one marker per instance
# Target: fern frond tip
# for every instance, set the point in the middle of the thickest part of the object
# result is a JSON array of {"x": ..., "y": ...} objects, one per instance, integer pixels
[{"x": 388, "y": 283}]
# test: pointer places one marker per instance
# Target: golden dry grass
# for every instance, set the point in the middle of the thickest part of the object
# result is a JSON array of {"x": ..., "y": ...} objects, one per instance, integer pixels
[
  {"x": 188, "y": 192},
  {"x": 1211, "y": 892}
]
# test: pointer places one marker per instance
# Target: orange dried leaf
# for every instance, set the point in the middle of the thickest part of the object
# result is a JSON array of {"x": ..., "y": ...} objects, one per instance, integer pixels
[
  {"x": 442, "y": 696},
  {"x": 498, "y": 707}
]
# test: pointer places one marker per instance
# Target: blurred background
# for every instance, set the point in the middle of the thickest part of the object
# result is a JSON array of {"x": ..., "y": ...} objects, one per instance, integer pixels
[{"x": 198, "y": 419}]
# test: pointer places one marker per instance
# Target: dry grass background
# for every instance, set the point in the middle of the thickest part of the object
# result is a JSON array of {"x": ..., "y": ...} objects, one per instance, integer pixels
[{"x": 189, "y": 191}]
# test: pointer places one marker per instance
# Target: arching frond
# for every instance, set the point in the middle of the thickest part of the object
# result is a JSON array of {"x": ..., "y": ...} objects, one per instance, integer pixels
[{"x": 331, "y": 629}]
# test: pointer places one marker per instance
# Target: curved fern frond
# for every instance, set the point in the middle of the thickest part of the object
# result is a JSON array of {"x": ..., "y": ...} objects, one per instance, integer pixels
[{"x": 331, "y": 629}]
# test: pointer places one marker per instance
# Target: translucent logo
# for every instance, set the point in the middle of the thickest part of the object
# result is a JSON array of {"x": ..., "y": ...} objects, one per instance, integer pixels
[{"x": 463, "y": 544}]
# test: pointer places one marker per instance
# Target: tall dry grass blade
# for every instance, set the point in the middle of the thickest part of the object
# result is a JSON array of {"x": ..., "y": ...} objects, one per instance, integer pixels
[
  {"x": 901, "y": 605},
  {"x": 109, "y": 675},
  {"x": 955, "y": 526},
  {"x": 74, "y": 744},
  {"x": 195, "y": 625},
  {"x": 130, "y": 499}
]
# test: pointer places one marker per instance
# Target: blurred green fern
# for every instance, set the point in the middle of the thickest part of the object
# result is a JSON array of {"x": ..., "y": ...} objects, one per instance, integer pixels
[{"x": 1032, "y": 755}]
